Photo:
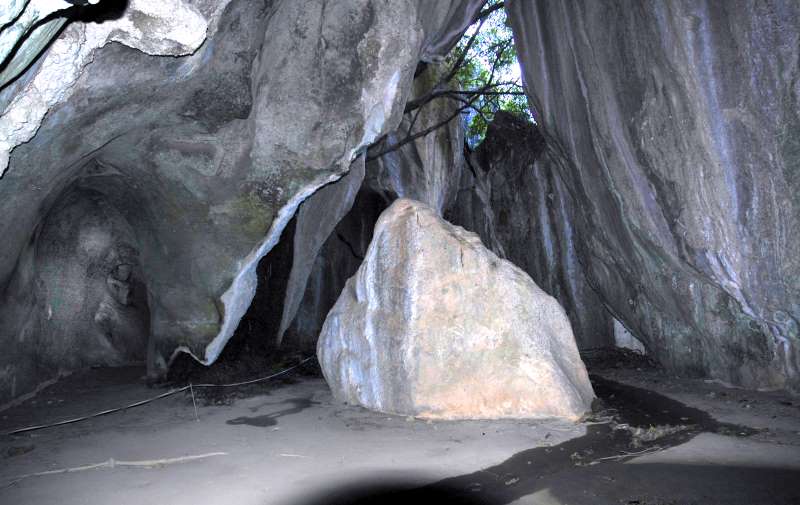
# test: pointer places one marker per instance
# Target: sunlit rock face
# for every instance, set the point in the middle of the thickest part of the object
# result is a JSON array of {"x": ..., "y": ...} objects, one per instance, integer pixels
[
  {"x": 514, "y": 197},
  {"x": 204, "y": 156},
  {"x": 436, "y": 325},
  {"x": 674, "y": 127}
]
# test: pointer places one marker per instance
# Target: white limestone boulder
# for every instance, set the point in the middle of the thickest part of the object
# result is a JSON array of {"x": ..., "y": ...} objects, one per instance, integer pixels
[{"x": 435, "y": 325}]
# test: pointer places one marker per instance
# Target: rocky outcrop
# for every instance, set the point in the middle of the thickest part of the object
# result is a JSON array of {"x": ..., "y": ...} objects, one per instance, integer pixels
[
  {"x": 426, "y": 169},
  {"x": 514, "y": 197},
  {"x": 674, "y": 128},
  {"x": 205, "y": 157},
  {"x": 435, "y": 325}
]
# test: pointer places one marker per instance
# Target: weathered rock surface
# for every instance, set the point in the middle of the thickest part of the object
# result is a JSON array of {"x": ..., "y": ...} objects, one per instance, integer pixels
[
  {"x": 675, "y": 127},
  {"x": 169, "y": 27},
  {"x": 427, "y": 169},
  {"x": 435, "y": 325},
  {"x": 206, "y": 156},
  {"x": 515, "y": 198}
]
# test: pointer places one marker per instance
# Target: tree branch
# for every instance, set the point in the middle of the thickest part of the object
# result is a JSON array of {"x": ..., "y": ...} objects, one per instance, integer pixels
[
  {"x": 411, "y": 138},
  {"x": 462, "y": 57},
  {"x": 485, "y": 13},
  {"x": 423, "y": 100}
]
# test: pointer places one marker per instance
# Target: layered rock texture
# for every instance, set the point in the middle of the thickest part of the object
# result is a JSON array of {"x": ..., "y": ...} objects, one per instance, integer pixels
[
  {"x": 427, "y": 169},
  {"x": 514, "y": 198},
  {"x": 674, "y": 128},
  {"x": 436, "y": 325},
  {"x": 203, "y": 156}
]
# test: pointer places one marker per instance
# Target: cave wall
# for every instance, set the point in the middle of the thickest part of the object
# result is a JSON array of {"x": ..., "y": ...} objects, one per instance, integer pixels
[
  {"x": 674, "y": 128},
  {"x": 78, "y": 296},
  {"x": 208, "y": 155}
]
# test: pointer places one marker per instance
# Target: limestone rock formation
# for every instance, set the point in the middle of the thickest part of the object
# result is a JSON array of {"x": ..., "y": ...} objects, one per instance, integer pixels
[
  {"x": 674, "y": 127},
  {"x": 515, "y": 197},
  {"x": 25, "y": 29},
  {"x": 204, "y": 155},
  {"x": 427, "y": 169},
  {"x": 169, "y": 27},
  {"x": 435, "y": 325}
]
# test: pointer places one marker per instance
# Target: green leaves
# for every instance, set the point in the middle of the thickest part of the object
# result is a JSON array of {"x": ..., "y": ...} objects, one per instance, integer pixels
[
  {"x": 488, "y": 67},
  {"x": 481, "y": 74}
]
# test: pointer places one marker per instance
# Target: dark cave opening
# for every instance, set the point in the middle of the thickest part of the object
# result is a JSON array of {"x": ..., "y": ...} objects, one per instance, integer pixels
[
  {"x": 89, "y": 282},
  {"x": 255, "y": 348}
]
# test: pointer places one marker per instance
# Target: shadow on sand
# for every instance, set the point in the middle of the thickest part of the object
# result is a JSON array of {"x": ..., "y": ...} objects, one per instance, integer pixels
[{"x": 575, "y": 472}]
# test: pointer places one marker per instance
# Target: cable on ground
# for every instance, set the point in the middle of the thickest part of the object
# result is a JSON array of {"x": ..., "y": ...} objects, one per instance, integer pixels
[{"x": 150, "y": 400}]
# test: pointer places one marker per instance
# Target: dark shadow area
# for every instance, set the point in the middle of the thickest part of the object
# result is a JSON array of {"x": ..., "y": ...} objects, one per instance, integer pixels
[
  {"x": 610, "y": 483},
  {"x": 611, "y": 358},
  {"x": 271, "y": 419},
  {"x": 338, "y": 260},
  {"x": 644, "y": 408},
  {"x": 252, "y": 350},
  {"x": 591, "y": 469}
]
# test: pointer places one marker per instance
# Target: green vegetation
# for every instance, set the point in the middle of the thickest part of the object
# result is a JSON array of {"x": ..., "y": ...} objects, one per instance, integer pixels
[
  {"x": 481, "y": 74},
  {"x": 486, "y": 62}
]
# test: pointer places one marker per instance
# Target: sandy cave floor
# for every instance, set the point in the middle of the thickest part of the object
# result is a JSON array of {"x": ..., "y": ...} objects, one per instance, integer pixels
[{"x": 289, "y": 442}]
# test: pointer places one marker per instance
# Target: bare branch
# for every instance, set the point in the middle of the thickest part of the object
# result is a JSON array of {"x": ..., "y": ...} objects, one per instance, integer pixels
[
  {"x": 485, "y": 13},
  {"x": 476, "y": 92},
  {"x": 423, "y": 100},
  {"x": 414, "y": 120},
  {"x": 426, "y": 131}
]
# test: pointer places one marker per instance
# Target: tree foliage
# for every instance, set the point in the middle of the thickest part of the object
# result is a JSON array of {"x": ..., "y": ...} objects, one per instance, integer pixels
[
  {"x": 488, "y": 61},
  {"x": 482, "y": 76}
]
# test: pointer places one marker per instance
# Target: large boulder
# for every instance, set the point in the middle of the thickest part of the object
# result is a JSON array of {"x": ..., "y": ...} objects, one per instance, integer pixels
[{"x": 435, "y": 325}]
